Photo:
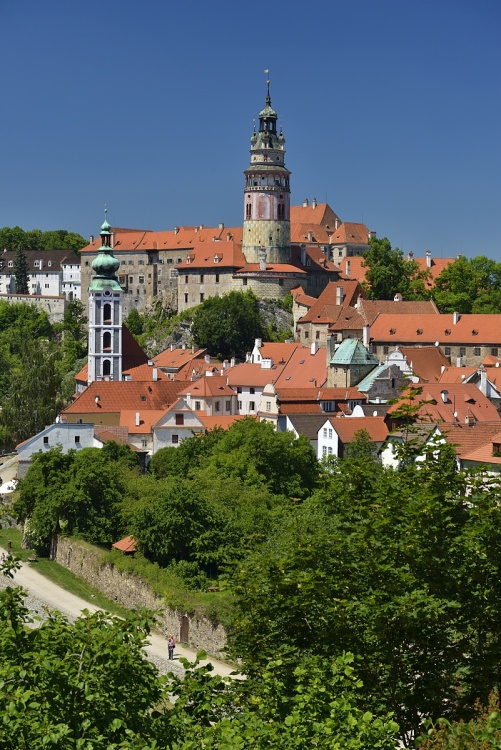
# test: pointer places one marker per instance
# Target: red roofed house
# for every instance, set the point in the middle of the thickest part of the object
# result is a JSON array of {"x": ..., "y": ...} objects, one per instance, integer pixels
[
  {"x": 464, "y": 339},
  {"x": 335, "y": 435}
]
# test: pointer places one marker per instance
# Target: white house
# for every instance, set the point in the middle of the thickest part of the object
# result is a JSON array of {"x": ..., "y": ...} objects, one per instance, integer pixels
[{"x": 68, "y": 436}]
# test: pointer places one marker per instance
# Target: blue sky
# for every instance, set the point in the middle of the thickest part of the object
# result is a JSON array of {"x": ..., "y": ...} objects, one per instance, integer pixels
[{"x": 391, "y": 111}]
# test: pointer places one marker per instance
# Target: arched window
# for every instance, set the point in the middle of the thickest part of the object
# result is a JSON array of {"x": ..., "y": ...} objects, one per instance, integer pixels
[
  {"x": 106, "y": 340},
  {"x": 107, "y": 313},
  {"x": 106, "y": 367}
]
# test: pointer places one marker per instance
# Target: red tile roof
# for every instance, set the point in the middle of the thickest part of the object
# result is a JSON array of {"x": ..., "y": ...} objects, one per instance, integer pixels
[
  {"x": 467, "y": 438},
  {"x": 304, "y": 369},
  {"x": 303, "y": 233},
  {"x": 125, "y": 395},
  {"x": 426, "y": 361},
  {"x": 251, "y": 374},
  {"x": 350, "y": 233},
  {"x": 207, "y": 387},
  {"x": 318, "y": 214},
  {"x": 279, "y": 352},
  {"x": 213, "y": 255},
  {"x": 427, "y": 329},
  {"x": 174, "y": 359},
  {"x": 370, "y": 309},
  {"x": 456, "y": 374},
  {"x": 147, "y": 419},
  {"x": 276, "y": 268},
  {"x": 300, "y": 298},
  {"x": 128, "y": 544},
  {"x": 464, "y": 399},
  {"x": 325, "y": 309},
  {"x": 347, "y": 428},
  {"x": 126, "y": 240}
]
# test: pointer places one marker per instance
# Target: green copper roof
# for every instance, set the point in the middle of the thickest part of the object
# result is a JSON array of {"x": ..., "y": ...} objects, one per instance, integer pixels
[
  {"x": 105, "y": 265},
  {"x": 352, "y": 352}
]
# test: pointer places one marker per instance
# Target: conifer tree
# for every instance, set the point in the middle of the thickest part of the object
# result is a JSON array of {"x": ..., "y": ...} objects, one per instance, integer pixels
[{"x": 21, "y": 272}]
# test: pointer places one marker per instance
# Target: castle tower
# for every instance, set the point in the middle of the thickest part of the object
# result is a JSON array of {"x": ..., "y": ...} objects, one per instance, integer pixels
[
  {"x": 105, "y": 314},
  {"x": 267, "y": 194}
]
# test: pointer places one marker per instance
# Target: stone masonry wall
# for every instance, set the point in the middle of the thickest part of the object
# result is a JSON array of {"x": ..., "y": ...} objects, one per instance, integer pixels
[{"x": 129, "y": 591}]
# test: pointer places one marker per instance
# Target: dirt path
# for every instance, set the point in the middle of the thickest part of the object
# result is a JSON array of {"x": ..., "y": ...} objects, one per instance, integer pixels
[{"x": 46, "y": 593}]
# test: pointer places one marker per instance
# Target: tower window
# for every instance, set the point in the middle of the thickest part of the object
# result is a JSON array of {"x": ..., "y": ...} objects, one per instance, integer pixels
[
  {"x": 107, "y": 313},
  {"x": 106, "y": 340},
  {"x": 106, "y": 367},
  {"x": 248, "y": 211}
]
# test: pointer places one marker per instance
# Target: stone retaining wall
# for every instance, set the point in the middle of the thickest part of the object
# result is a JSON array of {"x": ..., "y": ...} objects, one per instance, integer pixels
[{"x": 129, "y": 591}]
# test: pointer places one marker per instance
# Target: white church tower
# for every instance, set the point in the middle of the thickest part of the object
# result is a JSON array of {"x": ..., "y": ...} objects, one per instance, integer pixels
[{"x": 105, "y": 314}]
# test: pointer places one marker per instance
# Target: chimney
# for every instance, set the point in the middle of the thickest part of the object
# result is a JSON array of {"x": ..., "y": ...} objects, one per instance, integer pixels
[
  {"x": 155, "y": 374},
  {"x": 410, "y": 255},
  {"x": 366, "y": 336},
  {"x": 232, "y": 362},
  {"x": 138, "y": 419},
  {"x": 348, "y": 268},
  {"x": 459, "y": 361},
  {"x": 483, "y": 380},
  {"x": 207, "y": 359},
  {"x": 303, "y": 255},
  {"x": 226, "y": 364},
  {"x": 258, "y": 343},
  {"x": 336, "y": 223},
  {"x": 339, "y": 295},
  {"x": 172, "y": 347},
  {"x": 445, "y": 396},
  {"x": 305, "y": 203},
  {"x": 428, "y": 259},
  {"x": 266, "y": 363},
  {"x": 184, "y": 346},
  {"x": 262, "y": 259},
  {"x": 91, "y": 239},
  {"x": 372, "y": 234},
  {"x": 455, "y": 318},
  {"x": 310, "y": 236},
  {"x": 221, "y": 225},
  {"x": 397, "y": 297},
  {"x": 176, "y": 230},
  {"x": 228, "y": 236},
  {"x": 313, "y": 348},
  {"x": 314, "y": 203}
]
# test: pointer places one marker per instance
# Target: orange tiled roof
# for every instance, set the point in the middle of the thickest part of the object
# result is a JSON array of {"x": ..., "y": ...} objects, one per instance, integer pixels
[
  {"x": 301, "y": 298},
  {"x": 348, "y": 318},
  {"x": 303, "y": 233},
  {"x": 125, "y": 240},
  {"x": 144, "y": 373},
  {"x": 467, "y": 438},
  {"x": 348, "y": 427},
  {"x": 128, "y": 544},
  {"x": 421, "y": 329},
  {"x": 214, "y": 385},
  {"x": 350, "y": 233},
  {"x": 325, "y": 309},
  {"x": 371, "y": 308},
  {"x": 277, "y": 268},
  {"x": 248, "y": 373},
  {"x": 147, "y": 419},
  {"x": 213, "y": 255},
  {"x": 225, "y": 422},
  {"x": 174, "y": 359},
  {"x": 426, "y": 361},
  {"x": 299, "y": 408},
  {"x": 463, "y": 399},
  {"x": 318, "y": 214},
  {"x": 304, "y": 370},
  {"x": 456, "y": 374},
  {"x": 115, "y": 396},
  {"x": 279, "y": 352}
]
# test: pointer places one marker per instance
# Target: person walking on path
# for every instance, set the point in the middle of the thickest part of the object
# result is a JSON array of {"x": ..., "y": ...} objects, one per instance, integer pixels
[{"x": 170, "y": 645}]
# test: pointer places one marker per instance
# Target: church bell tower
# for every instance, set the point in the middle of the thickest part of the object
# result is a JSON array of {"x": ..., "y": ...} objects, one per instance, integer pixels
[
  {"x": 266, "y": 234},
  {"x": 105, "y": 314}
]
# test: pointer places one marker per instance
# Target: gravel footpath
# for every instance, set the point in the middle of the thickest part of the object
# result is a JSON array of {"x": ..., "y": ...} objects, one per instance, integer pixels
[{"x": 38, "y": 608}]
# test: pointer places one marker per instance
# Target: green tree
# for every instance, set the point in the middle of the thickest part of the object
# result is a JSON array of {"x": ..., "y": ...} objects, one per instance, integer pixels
[
  {"x": 388, "y": 273},
  {"x": 227, "y": 326},
  {"x": 469, "y": 286},
  {"x": 33, "y": 399},
  {"x": 134, "y": 322},
  {"x": 483, "y": 732},
  {"x": 21, "y": 271},
  {"x": 77, "y": 493},
  {"x": 394, "y": 566}
]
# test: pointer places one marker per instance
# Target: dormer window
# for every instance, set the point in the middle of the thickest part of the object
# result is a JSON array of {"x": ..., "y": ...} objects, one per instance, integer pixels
[
  {"x": 474, "y": 332},
  {"x": 216, "y": 258},
  {"x": 392, "y": 331},
  {"x": 419, "y": 331},
  {"x": 11, "y": 264},
  {"x": 447, "y": 331},
  {"x": 188, "y": 259}
]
